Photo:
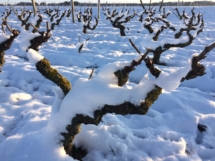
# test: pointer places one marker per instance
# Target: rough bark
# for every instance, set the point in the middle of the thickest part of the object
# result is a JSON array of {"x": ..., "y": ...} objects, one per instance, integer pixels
[
  {"x": 52, "y": 26},
  {"x": 87, "y": 26},
  {"x": 44, "y": 67},
  {"x": 118, "y": 22},
  {"x": 68, "y": 13},
  {"x": 84, "y": 29},
  {"x": 52, "y": 17},
  {"x": 37, "y": 41},
  {"x": 122, "y": 74},
  {"x": 198, "y": 69},
  {"x": 157, "y": 53},
  {"x": 122, "y": 30},
  {"x": 57, "y": 21},
  {"x": 6, "y": 45},
  {"x": 2, "y": 59}
]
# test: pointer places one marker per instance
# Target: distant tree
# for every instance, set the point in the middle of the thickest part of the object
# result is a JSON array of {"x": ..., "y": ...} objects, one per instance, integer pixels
[
  {"x": 43, "y": 4},
  {"x": 67, "y": 3},
  {"x": 26, "y": 4},
  {"x": 76, "y": 3}
]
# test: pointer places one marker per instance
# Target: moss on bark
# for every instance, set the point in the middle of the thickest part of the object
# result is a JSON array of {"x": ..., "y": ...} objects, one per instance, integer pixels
[
  {"x": 44, "y": 67},
  {"x": 122, "y": 76},
  {"x": 2, "y": 59}
]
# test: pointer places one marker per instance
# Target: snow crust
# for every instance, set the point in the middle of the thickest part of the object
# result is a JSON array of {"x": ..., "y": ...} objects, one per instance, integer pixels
[
  {"x": 34, "y": 56},
  {"x": 170, "y": 81}
]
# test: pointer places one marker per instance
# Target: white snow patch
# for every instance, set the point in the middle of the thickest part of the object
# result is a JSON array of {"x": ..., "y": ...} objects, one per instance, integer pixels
[
  {"x": 34, "y": 56},
  {"x": 4, "y": 37}
]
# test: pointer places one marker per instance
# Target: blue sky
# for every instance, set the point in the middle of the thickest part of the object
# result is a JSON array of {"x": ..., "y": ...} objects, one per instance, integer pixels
[{"x": 102, "y": 1}]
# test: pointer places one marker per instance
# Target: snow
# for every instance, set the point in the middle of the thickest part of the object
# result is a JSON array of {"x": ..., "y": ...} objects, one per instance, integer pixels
[
  {"x": 4, "y": 37},
  {"x": 82, "y": 42},
  {"x": 34, "y": 56},
  {"x": 171, "y": 81},
  {"x": 34, "y": 111}
]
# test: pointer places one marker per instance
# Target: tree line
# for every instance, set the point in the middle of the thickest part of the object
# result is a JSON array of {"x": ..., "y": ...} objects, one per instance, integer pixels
[{"x": 76, "y": 3}]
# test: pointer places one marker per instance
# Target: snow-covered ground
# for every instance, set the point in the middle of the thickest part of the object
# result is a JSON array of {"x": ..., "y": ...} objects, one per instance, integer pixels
[{"x": 31, "y": 117}]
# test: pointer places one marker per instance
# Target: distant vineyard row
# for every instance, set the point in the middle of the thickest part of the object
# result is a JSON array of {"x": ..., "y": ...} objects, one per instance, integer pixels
[{"x": 67, "y": 3}]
